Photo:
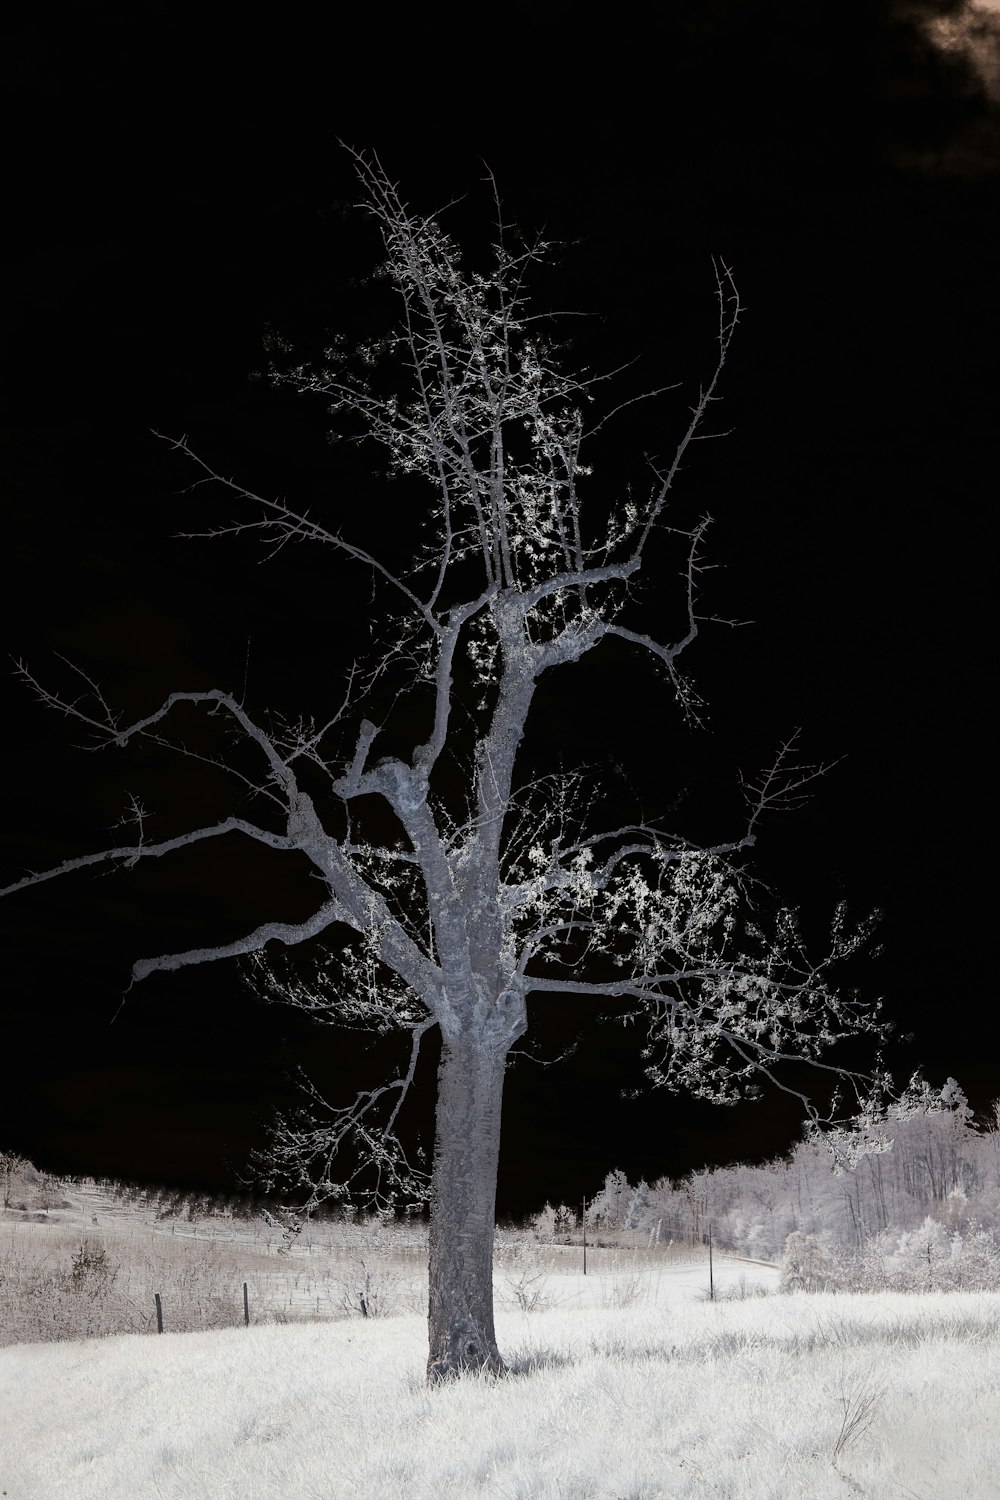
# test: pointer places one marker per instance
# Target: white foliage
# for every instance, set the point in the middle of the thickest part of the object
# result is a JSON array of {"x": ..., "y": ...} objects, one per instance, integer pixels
[
  {"x": 806, "y": 1265},
  {"x": 552, "y": 1222},
  {"x": 638, "y": 1207},
  {"x": 863, "y": 1225},
  {"x": 610, "y": 1206}
]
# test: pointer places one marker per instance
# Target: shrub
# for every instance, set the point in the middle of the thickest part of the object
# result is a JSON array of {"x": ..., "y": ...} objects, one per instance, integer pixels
[
  {"x": 370, "y": 1290},
  {"x": 552, "y": 1223},
  {"x": 806, "y": 1265}
]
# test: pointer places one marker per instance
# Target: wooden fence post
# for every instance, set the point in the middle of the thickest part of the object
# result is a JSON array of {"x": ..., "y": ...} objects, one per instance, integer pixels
[
  {"x": 711, "y": 1279},
  {"x": 246, "y": 1306},
  {"x": 584, "y": 1236},
  {"x": 159, "y": 1313}
]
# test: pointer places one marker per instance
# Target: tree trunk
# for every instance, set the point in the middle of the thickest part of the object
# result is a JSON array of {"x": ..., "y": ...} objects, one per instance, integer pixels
[{"x": 463, "y": 1209}]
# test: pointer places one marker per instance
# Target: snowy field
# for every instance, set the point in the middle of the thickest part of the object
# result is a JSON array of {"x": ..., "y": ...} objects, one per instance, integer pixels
[{"x": 626, "y": 1384}]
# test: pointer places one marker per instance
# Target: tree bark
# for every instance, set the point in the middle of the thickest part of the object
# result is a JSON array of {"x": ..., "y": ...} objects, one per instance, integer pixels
[{"x": 463, "y": 1208}]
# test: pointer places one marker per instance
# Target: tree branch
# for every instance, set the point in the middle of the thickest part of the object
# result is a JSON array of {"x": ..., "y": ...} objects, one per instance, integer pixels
[
  {"x": 132, "y": 853},
  {"x": 614, "y": 988},
  {"x": 779, "y": 787},
  {"x": 282, "y": 932},
  {"x": 291, "y": 525},
  {"x": 729, "y": 313}
]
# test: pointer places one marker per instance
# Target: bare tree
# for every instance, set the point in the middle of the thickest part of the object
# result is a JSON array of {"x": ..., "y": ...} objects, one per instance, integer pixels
[{"x": 503, "y": 888}]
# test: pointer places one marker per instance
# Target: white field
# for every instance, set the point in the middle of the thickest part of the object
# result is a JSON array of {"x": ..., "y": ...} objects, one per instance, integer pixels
[{"x": 626, "y": 1385}]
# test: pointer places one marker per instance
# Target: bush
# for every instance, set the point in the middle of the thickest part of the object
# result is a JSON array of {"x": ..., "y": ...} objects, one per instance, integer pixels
[
  {"x": 918, "y": 1260},
  {"x": 552, "y": 1223},
  {"x": 91, "y": 1272},
  {"x": 806, "y": 1265},
  {"x": 529, "y": 1292},
  {"x": 371, "y": 1291}
]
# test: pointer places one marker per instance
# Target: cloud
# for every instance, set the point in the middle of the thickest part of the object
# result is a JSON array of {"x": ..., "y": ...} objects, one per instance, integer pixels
[
  {"x": 952, "y": 56},
  {"x": 973, "y": 31}
]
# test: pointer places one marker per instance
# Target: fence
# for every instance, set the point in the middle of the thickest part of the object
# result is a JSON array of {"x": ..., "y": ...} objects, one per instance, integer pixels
[
  {"x": 696, "y": 1232},
  {"x": 246, "y": 1309}
]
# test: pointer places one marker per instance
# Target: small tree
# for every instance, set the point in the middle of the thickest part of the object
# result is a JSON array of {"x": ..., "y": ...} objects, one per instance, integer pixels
[
  {"x": 11, "y": 1164},
  {"x": 490, "y": 888},
  {"x": 805, "y": 1264},
  {"x": 610, "y": 1206},
  {"x": 638, "y": 1205}
]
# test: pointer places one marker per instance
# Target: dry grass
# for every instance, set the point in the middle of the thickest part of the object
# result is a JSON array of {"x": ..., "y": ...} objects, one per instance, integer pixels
[
  {"x": 821, "y": 1396},
  {"x": 89, "y": 1262}
]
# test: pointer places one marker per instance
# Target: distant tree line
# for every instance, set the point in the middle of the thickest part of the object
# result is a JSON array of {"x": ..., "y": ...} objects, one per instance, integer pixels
[{"x": 925, "y": 1191}]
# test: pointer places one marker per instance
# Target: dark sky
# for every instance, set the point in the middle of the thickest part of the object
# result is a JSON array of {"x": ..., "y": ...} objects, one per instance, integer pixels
[{"x": 177, "y": 188}]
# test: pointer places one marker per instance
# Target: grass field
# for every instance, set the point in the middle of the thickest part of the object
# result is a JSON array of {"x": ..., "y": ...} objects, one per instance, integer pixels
[
  {"x": 625, "y": 1385},
  {"x": 777, "y": 1397},
  {"x": 94, "y": 1265}
]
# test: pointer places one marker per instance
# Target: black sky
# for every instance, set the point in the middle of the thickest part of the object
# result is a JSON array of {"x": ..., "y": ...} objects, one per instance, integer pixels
[{"x": 177, "y": 188}]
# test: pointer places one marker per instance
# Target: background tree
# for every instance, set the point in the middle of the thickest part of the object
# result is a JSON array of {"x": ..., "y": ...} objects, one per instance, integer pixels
[
  {"x": 869, "y": 1183},
  {"x": 11, "y": 1164},
  {"x": 463, "y": 884}
]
